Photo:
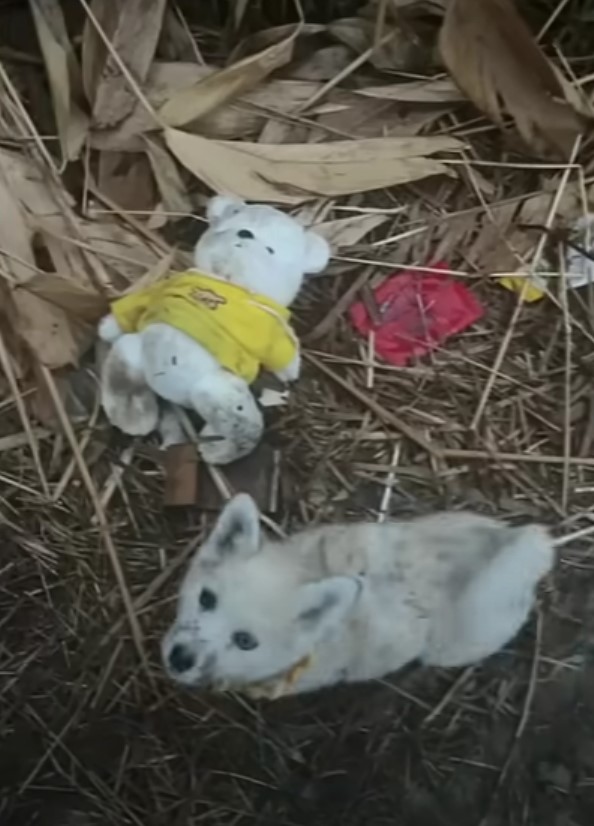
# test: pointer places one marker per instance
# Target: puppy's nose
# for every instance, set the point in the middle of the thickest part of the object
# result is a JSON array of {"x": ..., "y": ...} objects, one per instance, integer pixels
[
  {"x": 245, "y": 233},
  {"x": 181, "y": 659}
]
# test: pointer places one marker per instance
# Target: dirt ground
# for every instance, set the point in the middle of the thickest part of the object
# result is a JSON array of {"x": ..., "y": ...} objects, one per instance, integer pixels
[{"x": 86, "y": 739}]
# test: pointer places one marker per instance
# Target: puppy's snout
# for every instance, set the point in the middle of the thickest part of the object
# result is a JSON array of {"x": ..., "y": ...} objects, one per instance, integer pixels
[
  {"x": 245, "y": 233},
  {"x": 181, "y": 659}
]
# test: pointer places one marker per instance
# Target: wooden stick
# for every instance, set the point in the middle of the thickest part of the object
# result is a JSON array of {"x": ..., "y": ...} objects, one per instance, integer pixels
[{"x": 485, "y": 455}]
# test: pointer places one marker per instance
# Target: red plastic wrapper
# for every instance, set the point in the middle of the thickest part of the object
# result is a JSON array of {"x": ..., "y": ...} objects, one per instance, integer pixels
[{"x": 417, "y": 312}]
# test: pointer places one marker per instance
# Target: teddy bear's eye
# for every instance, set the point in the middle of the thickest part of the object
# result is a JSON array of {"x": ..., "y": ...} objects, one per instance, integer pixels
[
  {"x": 270, "y": 250},
  {"x": 245, "y": 233}
]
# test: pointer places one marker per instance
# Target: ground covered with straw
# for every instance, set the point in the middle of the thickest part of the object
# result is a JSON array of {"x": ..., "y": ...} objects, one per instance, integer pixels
[{"x": 499, "y": 419}]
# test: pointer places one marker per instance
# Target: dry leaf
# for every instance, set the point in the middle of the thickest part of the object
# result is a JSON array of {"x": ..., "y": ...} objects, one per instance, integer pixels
[
  {"x": 175, "y": 42},
  {"x": 221, "y": 86},
  {"x": 171, "y": 187},
  {"x": 293, "y": 173},
  {"x": 452, "y": 235},
  {"x": 243, "y": 117},
  {"x": 500, "y": 246},
  {"x": 346, "y": 232},
  {"x": 323, "y": 64},
  {"x": 286, "y": 131},
  {"x": 56, "y": 338},
  {"x": 493, "y": 244},
  {"x": 126, "y": 179},
  {"x": 441, "y": 90},
  {"x": 491, "y": 54},
  {"x": 239, "y": 9},
  {"x": 154, "y": 274},
  {"x": 133, "y": 29},
  {"x": 44, "y": 328},
  {"x": 27, "y": 181},
  {"x": 402, "y": 53},
  {"x": 119, "y": 249},
  {"x": 49, "y": 312},
  {"x": 430, "y": 6},
  {"x": 536, "y": 209},
  {"x": 63, "y": 74},
  {"x": 77, "y": 389},
  {"x": 34, "y": 216},
  {"x": 268, "y": 37},
  {"x": 85, "y": 305},
  {"x": 120, "y": 252},
  {"x": 16, "y": 253},
  {"x": 350, "y": 114}
]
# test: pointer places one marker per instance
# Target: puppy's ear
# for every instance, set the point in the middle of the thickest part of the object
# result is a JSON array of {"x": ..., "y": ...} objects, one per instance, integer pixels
[
  {"x": 323, "y": 605},
  {"x": 317, "y": 252},
  {"x": 236, "y": 533},
  {"x": 222, "y": 206}
]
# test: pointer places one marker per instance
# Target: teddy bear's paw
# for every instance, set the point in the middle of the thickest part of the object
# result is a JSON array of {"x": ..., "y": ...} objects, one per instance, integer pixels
[
  {"x": 291, "y": 372},
  {"x": 109, "y": 330}
]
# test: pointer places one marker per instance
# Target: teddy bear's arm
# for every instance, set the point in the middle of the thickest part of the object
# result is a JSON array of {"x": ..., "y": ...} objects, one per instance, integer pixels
[
  {"x": 283, "y": 357},
  {"x": 129, "y": 309}
]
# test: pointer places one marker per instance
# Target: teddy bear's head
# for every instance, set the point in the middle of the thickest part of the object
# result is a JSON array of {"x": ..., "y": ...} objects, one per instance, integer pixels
[{"x": 259, "y": 248}]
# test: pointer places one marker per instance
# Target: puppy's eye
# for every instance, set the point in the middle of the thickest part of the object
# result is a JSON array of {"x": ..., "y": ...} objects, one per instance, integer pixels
[
  {"x": 244, "y": 640},
  {"x": 207, "y": 600},
  {"x": 245, "y": 233},
  {"x": 270, "y": 250}
]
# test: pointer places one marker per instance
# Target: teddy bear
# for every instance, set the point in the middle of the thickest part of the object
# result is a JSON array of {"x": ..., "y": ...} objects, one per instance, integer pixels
[{"x": 198, "y": 339}]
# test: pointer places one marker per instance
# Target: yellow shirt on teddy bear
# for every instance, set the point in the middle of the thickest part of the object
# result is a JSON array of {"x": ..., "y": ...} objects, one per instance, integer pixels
[{"x": 240, "y": 329}]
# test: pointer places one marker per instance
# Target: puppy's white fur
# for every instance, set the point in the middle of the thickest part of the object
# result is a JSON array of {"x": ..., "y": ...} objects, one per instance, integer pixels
[
  {"x": 166, "y": 363},
  {"x": 360, "y": 600}
]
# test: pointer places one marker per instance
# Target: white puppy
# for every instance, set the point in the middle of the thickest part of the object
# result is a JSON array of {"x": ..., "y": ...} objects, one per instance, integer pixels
[{"x": 343, "y": 603}]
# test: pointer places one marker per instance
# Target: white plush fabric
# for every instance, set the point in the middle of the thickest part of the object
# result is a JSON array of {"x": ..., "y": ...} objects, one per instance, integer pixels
[{"x": 254, "y": 246}]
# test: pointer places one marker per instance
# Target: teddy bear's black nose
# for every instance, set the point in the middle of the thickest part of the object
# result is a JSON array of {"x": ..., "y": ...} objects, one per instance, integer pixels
[
  {"x": 245, "y": 233},
  {"x": 181, "y": 659}
]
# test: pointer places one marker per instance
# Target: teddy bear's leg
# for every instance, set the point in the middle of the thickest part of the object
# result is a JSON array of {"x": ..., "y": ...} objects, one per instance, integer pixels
[
  {"x": 128, "y": 401},
  {"x": 170, "y": 427},
  {"x": 230, "y": 411}
]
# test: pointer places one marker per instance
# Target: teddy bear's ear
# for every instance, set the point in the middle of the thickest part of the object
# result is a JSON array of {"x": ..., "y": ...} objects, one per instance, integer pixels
[
  {"x": 317, "y": 252},
  {"x": 222, "y": 206}
]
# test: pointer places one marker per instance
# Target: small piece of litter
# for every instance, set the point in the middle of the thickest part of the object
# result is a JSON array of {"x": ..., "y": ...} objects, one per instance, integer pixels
[
  {"x": 258, "y": 474},
  {"x": 416, "y": 313},
  {"x": 579, "y": 269},
  {"x": 273, "y": 398},
  {"x": 181, "y": 476},
  {"x": 536, "y": 288}
]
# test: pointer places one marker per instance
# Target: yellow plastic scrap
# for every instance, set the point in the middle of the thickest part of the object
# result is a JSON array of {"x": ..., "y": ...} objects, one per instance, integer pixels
[{"x": 534, "y": 291}]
